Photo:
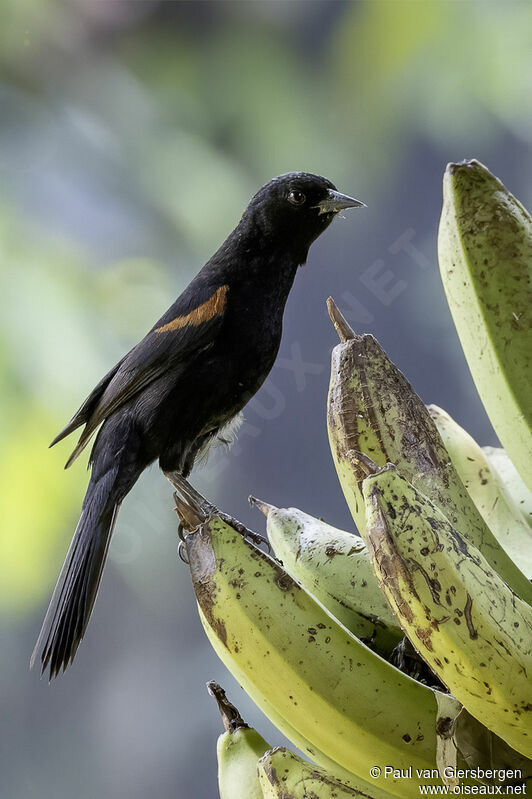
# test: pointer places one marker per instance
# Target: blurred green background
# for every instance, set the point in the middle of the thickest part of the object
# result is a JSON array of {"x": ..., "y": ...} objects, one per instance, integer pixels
[{"x": 132, "y": 135}]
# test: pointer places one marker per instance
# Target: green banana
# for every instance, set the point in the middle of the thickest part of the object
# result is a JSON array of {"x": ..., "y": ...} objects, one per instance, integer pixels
[
  {"x": 463, "y": 619},
  {"x": 284, "y": 775},
  {"x": 335, "y": 567},
  {"x": 372, "y": 409},
  {"x": 485, "y": 255},
  {"x": 486, "y": 489},
  {"x": 238, "y": 750},
  {"x": 476, "y": 746},
  {"x": 253, "y": 689},
  {"x": 339, "y": 695},
  {"x": 512, "y": 480}
]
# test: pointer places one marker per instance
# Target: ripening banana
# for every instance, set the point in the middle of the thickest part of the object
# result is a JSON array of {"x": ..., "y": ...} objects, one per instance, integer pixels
[
  {"x": 480, "y": 747},
  {"x": 335, "y": 567},
  {"x": 284, "y": 775},
  {"x": 372, "y": 409},
  {"x": 238, "y": 750},
  {"x": 486, "y": 489},
  {"x": 193, "y": 512},
  {"x": 463, "y": 619},
  {"x": 485, "y": 255},
  {"x": 335, "y": 692},
  {"x": 253, "y": 689},
  {"x": 512, "y": 480}
]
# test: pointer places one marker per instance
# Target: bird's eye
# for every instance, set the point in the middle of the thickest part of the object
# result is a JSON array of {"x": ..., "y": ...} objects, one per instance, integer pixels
[{"x": 296, "y": 197}]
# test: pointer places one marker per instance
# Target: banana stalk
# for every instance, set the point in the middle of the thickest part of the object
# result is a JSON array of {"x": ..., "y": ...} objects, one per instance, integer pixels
[
  {"x": 335, "y": 567},
  {"x": 486, "y": 489},
  {"x": 463, "y": 619},
  {"x": 238, "y": 750},
  {"x": 485, "y": 255},
  {"x": 372, "y": 409}
]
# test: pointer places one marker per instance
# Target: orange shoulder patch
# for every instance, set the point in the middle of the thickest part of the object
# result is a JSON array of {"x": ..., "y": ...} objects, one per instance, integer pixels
[{"x": 214, "y": 306}]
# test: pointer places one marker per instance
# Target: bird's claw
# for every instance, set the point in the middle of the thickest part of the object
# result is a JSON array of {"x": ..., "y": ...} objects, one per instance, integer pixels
[{"x": 182, "y": 552}]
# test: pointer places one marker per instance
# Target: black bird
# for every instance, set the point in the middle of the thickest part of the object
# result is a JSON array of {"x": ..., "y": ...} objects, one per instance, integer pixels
[{"x": 185, "y": 381}]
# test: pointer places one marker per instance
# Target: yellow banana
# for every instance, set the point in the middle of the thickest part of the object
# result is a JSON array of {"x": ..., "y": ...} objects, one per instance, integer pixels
[
  {"x": 512, "y": 480},
  {"x": 485, "y": 255},
  {"x": 464, "y": 620},
  {"x": 284, "y": 775},
  {"x": 372, "y": 409},
  {"x": 339, "y": 695},
  {"x": 335, "y": 567},
  {"x": 238, "y": 750},
  {"x": 193, "y": 511},
  {"x": 477, "y": 747},
  {"x": 486, "y": 489},
  {"x": 253, "y": 689}
]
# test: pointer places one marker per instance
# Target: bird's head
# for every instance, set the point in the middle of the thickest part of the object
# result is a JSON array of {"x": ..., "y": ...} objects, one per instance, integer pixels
[{"x": 294, "y": 209}]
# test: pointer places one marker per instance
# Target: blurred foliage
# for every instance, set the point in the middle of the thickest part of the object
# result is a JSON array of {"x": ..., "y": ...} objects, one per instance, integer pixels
[
  {"x": 132, "y": 134},
  {"x": 34, "y": 508}
]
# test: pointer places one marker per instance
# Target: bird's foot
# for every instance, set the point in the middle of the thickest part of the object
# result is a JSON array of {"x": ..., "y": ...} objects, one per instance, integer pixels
[
  {"x": 194, "y": 509},
  {"x": 244, "y": 531}
]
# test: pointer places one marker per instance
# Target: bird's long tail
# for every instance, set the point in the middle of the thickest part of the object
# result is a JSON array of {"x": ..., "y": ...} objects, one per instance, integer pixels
[{"x": 75, "y": 592}]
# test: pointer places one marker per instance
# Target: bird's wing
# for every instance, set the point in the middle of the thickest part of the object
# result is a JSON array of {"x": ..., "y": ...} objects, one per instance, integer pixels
[{"x": 185, "y": 330}]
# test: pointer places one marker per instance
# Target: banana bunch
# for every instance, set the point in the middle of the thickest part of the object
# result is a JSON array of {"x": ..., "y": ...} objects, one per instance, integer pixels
[
  {"x": 445, "y": 559},
  {"x": 485, "y": 256},
  {"x": 340, "y": 703},
  {"x": 335, "y": 567},
  {"x": 373, "y": 411},
  {"x": 353, "y": 708}
]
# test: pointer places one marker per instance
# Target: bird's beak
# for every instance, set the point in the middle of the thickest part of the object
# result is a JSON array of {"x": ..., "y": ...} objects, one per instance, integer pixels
[{"x": 335, "y": 201}]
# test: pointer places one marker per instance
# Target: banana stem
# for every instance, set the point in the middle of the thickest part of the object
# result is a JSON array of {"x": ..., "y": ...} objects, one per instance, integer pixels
[
  {"x": 345, "y": 332},
  {"x": 232, "y": 720},
  {"x": 265, "y": 507}
]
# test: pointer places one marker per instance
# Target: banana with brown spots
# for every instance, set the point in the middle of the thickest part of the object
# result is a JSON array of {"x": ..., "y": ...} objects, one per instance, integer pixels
[
  {"x": 460, "y": 615},
  {"x": 345, "y": 700},
  {"x": 374, "y": 413},
  {"x": 335, "y": 566}
]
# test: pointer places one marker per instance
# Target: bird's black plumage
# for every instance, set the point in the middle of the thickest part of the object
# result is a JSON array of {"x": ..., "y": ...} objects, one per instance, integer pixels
[{"x": 188, "y": 377}]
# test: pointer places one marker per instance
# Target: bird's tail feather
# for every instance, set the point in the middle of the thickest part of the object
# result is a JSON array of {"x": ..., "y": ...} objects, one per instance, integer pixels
[{"x": 75, "y": 592}]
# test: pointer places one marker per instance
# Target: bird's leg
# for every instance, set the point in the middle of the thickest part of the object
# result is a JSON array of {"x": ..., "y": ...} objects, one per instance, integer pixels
[
  {"x": 189, "y": 498},
  {"x": 194, "y": 509}
]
